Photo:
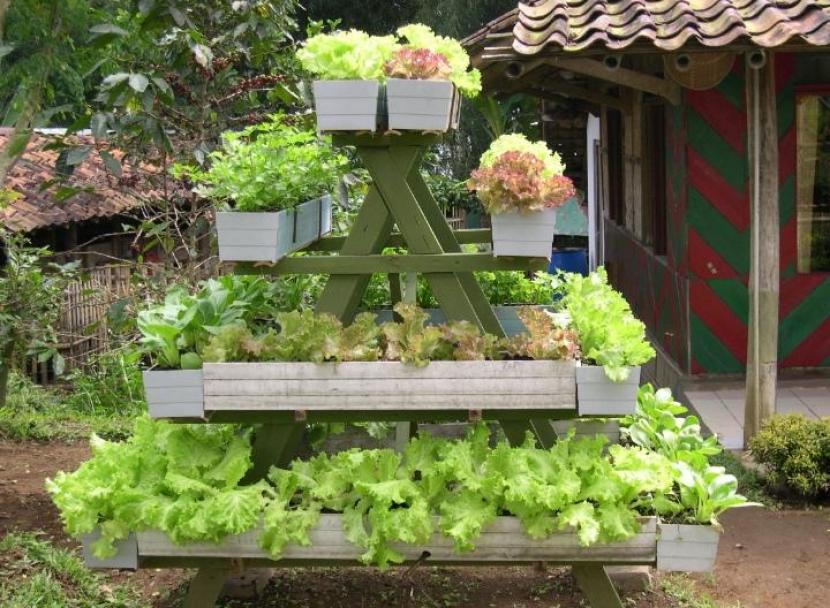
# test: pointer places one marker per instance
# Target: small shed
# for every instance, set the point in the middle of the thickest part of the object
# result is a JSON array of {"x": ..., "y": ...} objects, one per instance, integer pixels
[{"x": 711, "y": 171}]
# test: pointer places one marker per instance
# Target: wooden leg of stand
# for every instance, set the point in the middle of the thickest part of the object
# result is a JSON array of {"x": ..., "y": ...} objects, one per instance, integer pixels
[
  {"x": 205, "y": 587},
  {"x": 596, "y": 585}
]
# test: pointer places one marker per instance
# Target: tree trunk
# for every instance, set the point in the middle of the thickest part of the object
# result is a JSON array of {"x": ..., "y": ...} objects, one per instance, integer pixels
[
  {"x": 762, "y": 348},
  {"x": 6, "y": 361}
]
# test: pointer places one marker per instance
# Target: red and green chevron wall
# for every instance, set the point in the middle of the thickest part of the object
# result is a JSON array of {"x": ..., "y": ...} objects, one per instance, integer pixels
[{"x": 695, "y": 299}]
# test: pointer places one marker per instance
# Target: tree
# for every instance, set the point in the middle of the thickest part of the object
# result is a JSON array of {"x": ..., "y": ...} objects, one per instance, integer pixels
[{"x": 31, "y": 293}]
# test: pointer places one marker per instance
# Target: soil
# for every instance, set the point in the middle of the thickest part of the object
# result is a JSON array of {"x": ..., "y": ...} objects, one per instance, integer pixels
[{"x": 767, "y": 559}]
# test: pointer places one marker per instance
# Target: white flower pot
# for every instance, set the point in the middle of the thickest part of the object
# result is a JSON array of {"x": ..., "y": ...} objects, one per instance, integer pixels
[
  {"x": 421, "y": 105},
  {"x": 686, "y": 548},
  {"x": 597, "y": 395},
  {"x": 268, "y": 237},
  {"x": 524, "y": 235},
  {"x": 174, "y": 393},
  {"x": 347, "y": 105},
  {"x": 125, "y": 559}
]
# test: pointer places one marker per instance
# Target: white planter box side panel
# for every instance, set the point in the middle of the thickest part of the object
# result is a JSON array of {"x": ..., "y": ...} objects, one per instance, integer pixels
[
  {"x": 421, "y": 105},
  {"x": 524, "y": 235},
  {"x": 596, "y": 395},
  {"x": 125, "y": 559},
  {"x": 686, "y": 548},
  {"x": 174, "y": 393},
  {"x": 346, "y": 105}
]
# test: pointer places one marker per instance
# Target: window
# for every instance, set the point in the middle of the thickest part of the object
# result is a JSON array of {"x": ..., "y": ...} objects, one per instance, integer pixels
[{"x": 813, "y": 179}]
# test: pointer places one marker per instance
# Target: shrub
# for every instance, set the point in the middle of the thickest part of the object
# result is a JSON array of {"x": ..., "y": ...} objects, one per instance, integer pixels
[{"x": 796, "y": 452}]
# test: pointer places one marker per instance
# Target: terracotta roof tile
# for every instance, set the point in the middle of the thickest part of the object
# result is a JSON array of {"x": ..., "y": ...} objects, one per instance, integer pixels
[
  {"x": 103, "y": 194},
  {"x": 575, "y": 25}
]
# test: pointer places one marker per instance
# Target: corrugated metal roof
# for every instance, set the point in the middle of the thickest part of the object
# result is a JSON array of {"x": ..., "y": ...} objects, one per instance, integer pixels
[
  {"x": 103, "y": 194},
  {"x": 667, "y": 25}
]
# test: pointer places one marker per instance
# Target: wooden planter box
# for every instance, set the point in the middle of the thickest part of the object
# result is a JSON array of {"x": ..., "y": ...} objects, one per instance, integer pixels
[
  {"x": 503, "y": 542},
  {"x": 174, "y": 393},
  {"x": 599, "y": 396},
  {"x": 347, "y": 105},
  {"x": 421, "y": 105},
  {"x": 268, "y": 237},
  {"x": 125, "y": 559},
  {"x": 390, "y": 386},
  {"x": 686, "y": 548},
  {"x": 524, "y": 235}
]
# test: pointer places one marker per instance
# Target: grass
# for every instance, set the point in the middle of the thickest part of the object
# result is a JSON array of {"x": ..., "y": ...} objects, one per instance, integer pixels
[
  {"x": 682, "y": 590},
  {"x": 35, "y": 413},
  {"x": 34, "y": 572}
]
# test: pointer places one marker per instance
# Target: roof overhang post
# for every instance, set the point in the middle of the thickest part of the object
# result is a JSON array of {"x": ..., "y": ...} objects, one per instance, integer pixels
[{"x": 762, "y": 140}]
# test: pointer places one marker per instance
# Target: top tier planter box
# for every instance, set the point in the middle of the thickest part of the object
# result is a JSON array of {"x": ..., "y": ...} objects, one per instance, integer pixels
[
  {"x": 347, "y": 105},
  {"x": 422, "y": 105},
  {"x": 268, "y": 237}
]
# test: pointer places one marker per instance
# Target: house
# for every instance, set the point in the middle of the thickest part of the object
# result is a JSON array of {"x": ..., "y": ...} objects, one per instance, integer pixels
[
  {"x": 77, "y": 211},
  {"x": 708, "y": 165}
]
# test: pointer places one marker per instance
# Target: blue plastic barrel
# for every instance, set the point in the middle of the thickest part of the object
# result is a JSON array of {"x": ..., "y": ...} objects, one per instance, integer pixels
[{"x": 569, "y": 260}]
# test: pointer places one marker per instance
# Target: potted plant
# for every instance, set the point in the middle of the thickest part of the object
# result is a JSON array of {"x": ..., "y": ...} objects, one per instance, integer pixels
[
  {"x": 175, "y": 331},
  {"x": 521, "y": 183},
  {"x": 424, "y": 77},
  {"x": 270, "y": 182},
  {"x": 349, "y": 70},
  {"x": 612, "y": 343}
]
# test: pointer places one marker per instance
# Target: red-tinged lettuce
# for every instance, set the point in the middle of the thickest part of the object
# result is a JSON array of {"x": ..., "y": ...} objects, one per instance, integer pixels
[
  {"x": 516, "y": 182},
  {"x": 417, "y": 64}
]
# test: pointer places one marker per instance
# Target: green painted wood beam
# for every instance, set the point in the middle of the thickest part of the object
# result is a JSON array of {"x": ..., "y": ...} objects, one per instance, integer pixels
[
  {"x": 462, "y": 237},
  {"x": 393, "y": 264},
  {"x": 521, "y": 417},
  {"x": 386, "y": 140}
]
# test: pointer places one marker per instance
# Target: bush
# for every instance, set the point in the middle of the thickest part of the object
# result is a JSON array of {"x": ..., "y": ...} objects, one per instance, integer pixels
[{"x": 796, "y": 452}]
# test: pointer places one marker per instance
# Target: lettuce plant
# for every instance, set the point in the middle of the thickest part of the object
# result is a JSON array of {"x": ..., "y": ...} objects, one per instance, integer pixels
[
  {"x": 270, "y": 166},
  {"x": 608, "y": 332},
  {"x": 516, "y": 142},
  {"x": 419, "y": 37},
  {"x": 347, "y": 55},
  {"x": 516, "y": 182},
  {"x": 417, "y": 64}
]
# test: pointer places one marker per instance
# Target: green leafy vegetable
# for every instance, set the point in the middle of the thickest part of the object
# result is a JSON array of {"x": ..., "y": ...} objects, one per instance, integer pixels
[{"x": 347, "y": 55}]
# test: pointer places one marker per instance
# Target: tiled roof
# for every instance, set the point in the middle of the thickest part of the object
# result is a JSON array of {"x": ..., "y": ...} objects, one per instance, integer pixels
[
  {"x": 103, "y": 194},
  {"x": 576, "y": 25}
]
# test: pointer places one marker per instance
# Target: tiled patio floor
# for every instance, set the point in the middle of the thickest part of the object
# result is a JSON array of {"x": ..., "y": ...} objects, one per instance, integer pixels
[{"x": 721, "y": 406}]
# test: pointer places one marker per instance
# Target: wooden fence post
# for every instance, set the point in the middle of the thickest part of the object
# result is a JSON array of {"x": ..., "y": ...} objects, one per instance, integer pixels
[{"x": 762, "y": 138}]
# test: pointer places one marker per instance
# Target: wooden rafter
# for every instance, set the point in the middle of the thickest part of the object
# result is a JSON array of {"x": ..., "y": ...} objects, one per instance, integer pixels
[{"x": 566, "y": 89}]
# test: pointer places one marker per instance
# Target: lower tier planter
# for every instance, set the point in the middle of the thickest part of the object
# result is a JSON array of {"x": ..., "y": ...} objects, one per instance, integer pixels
[
  {"x": 503, "y": 541},
  {"x": 347, "y": 105},
  {"x": 174, "y": 393},
  {"x": 421, "y": 105},
  {"x": 387, "y": 386},
  {"x": 597, "y": 395},
  {"x": 268, "y": 237},
  {"x": 524, "y": 235},
  {"x": 686, "y": 548}
]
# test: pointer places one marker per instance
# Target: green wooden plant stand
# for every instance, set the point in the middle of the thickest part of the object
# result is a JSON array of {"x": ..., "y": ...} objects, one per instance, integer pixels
[{"x": 398, "y": 198}]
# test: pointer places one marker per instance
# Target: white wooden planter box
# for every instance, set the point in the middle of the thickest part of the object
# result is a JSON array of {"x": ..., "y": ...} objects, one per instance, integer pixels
[
  {"x": 686, "y": 548},
  {"x": 421, "y": 105},
  {"x": 390, "y": 386},
  {"x": 596, "y": 395},
  {"x": 503, "y": 541},
  {"x": 268, "y": 237},
  {"x": 125, "y": 559},
  {"x": 174, "y": 393},
  {"x": 524, "y": 235},
  {"x": 347, "y": 105}
]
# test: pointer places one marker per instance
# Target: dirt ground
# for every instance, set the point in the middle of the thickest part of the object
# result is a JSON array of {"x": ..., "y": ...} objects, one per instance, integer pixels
[{"x": 767, "y": 559}]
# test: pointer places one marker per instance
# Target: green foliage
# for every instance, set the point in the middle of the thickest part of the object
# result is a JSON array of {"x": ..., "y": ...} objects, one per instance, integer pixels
[
  {"x": 516, "y": 142},
  {"x": 420, "y": 36},
  {"x": 175, "y": 331},
  {"x": 795, "y": 452},
  {"x": 608, "y": 332},
  {"x": 347, "y": 55},
  {"x": 185, "y": 481},
  {"x": 34, "y": 572},
  {"x": 308, "y": 336},
  {"x": 702, "y": 491},
  {"x": 31, "y": 293},
  {"x": 270, "y": 166}
]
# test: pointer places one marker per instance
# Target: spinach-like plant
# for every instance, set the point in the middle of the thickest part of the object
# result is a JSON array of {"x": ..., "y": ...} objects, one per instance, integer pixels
[
  {"x": 608, "y": 332},
  {"x": 270, "y": 166}
]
